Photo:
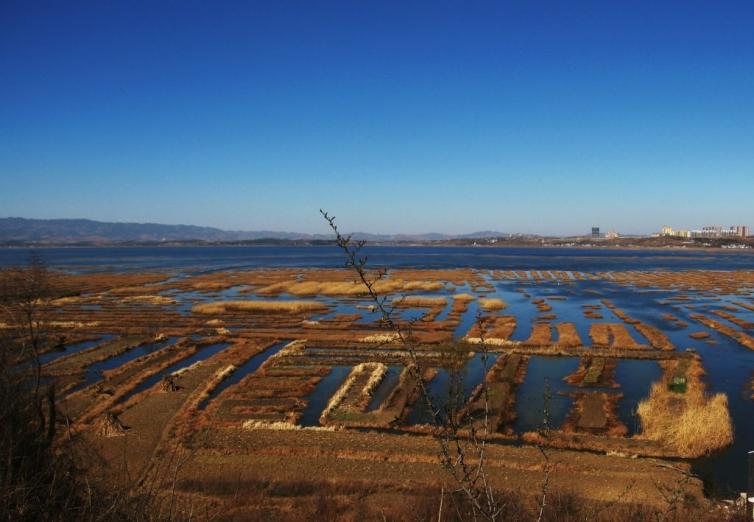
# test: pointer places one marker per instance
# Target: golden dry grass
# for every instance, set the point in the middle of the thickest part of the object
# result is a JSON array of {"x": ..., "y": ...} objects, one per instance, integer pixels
[
  {"x": 656, "y": 338},
  {"x": 149, "y": 299},
  {"x": 693, "y": 423},
  {"x": 281, "y": 425},
  {"x": 496, "y": 331},
  {"x": 421, "y": 301},
  {"x": 220, "y": 307},
  {"x": 463, "y": 297},
  {"x": 380, "y": 338},
  {"x": 376, "y": 373},
  {"x": 541, "y": 335},
  {"x": 71, "y": 324},
  {"x": 347, "y": 288},
  {"x": 491, "y": 304},
  {"x": 568, "y": 335}
]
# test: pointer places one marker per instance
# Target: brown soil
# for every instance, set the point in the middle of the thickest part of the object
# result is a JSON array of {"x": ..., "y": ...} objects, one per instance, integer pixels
[{"x": 595, "y": 413}]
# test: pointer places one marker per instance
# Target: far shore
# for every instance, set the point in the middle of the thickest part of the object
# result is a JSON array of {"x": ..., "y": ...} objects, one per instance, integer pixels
[{"x": 748, "y": 247}]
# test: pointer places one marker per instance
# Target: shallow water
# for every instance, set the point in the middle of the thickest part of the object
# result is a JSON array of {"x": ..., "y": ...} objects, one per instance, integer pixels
[
  {"x": 94, "y": 371},
  {"x": 386, "y": 387},
  {"x": 533, "y": 404},
  {"x": 450, "y": 386},
  {"x": 318, "y": 399},
  {"x": 72, "y": 348},
  {"x": 204, "y": 352},
  {"x": 635, "y": 379}
]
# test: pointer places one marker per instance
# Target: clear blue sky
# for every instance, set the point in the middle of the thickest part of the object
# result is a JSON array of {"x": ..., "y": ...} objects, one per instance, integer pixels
[{"x": 545, "y": 117}]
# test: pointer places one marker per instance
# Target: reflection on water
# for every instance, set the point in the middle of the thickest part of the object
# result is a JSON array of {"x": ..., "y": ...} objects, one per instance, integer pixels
[
  {"x": 93, "y": 373},
  {"x": 635, "y": 378},
  {"x": 386, "y": 387},
  {"x": 450, "y": 389},
  {"x": 72, "y": 348},
  {"x": 318, "y": 399},
  {"x": 531, "y": 399}
]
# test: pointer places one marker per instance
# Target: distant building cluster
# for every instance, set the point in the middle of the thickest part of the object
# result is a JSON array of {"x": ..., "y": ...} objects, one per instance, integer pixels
[
  {"x": 708, "y": 232},
  {"x": 596, "y": 234}
]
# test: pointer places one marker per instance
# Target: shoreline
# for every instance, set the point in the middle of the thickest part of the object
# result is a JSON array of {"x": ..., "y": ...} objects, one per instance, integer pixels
[{"x": 658, "y": 248}]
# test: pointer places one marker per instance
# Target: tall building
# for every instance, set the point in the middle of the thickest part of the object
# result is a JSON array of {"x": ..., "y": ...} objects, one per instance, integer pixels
[
  {"x": 741, "y": 230},
  {"x": 595, "y": 232},
  {"x": 667, "y": 231},
  {"x": 708, "y": 232}
]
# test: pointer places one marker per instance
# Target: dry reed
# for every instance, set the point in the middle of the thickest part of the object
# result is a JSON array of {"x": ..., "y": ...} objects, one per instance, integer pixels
[
  {"x": 491, "y": 304},
  {"x": 220, "y": 307},
  {"x": 692, "y": 423},
  {"x": 421, "y": 301}
]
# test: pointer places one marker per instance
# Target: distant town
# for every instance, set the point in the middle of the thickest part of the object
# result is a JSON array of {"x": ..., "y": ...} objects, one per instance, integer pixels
[{"x": 711, "y": 236}]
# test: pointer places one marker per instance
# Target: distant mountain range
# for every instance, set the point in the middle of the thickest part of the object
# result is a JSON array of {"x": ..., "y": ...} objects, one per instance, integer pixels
[{"x": 15, "y": 230}]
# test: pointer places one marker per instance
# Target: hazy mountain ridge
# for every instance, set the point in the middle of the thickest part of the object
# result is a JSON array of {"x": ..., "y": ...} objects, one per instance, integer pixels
[{"x": 23, "y": 230}]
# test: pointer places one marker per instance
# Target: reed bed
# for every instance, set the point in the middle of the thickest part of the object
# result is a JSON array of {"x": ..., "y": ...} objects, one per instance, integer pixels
[
  {"x": 741, "y": 337},
  {"x": 747, "y": 306},
  {"x": 656, "y": 338},
  {"x": 700, "y": 426},
  {"x": 613, "y": 335},
  {"x": 542, "y": 305},
  {"x": 380, "y": 338},
  {"x": 742, "y": 323},
  {"x": 496, "y": 331},
  {"x": 348, "y": 288},
  {"x": 375, "y": 372},
  {"x": 490, "y": 304},
  {"x": 421, "y": 301},
  {"x": 149, "y": 299},
  {"x": 599, "y": 333},
  {"x": 568, "y": 336},
  {"x": 541, "y": 335},
  {"x": 221, "y": 307},
  {"x": 281, "y": 426}
]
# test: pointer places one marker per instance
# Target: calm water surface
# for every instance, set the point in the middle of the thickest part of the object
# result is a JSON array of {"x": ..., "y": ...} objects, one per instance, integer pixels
[{"x": 203, "y": 259}]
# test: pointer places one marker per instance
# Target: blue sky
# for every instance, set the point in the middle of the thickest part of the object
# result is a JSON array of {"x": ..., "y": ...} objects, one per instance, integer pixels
[{"x": 543, "y": 117}]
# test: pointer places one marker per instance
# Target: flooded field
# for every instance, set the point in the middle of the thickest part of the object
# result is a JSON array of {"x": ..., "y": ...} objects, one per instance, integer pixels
[{"x": 593, "y": 361}]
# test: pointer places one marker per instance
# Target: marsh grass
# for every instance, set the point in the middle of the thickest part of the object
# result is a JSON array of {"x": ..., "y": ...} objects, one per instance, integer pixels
[
  {"x": 282, "y": 426},
  {"x": 380, "y": 338},
  {"x": 149, "y": 299},
  {"x": 420, "y": 301},
  {"x": 347, "y": 288},
  {"x": 693, "y": 423},
  {"x": 490, "y": 304},
  {"x": 220, "y": 307}
]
